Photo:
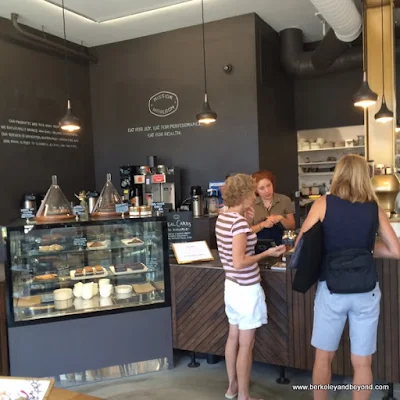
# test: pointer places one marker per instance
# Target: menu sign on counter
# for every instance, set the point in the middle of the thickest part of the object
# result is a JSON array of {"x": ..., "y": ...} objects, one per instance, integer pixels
[
  {"x": 186, "y": 253},
  {"x": 180, "y": 228}
]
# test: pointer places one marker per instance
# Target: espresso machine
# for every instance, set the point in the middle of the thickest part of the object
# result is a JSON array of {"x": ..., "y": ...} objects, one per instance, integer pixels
[{"x": 153, "y": 185}]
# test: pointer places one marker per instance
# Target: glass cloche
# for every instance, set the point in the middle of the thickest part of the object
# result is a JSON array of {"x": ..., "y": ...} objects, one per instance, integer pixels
[
  {"x": 109, "y": 197},
  {"x": 55, "y": 206}
]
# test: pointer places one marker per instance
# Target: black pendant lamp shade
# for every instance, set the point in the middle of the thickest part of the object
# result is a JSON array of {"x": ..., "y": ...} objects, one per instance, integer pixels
[
  {"x": 206, "y": 115},
  {"x": 69, "y": 123},
  {"x": 398, "y": 126},
  {"x": 384, "y": 114},
  {"x": 365, "y": 97}
]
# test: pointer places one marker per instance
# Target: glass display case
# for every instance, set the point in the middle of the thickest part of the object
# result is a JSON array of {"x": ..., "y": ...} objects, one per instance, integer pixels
[{"x": 80, "y": 268}]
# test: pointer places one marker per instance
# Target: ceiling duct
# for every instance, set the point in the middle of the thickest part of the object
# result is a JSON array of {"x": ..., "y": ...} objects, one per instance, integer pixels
[
  {"x": 346, "y": 23},
  {"x": 49, "y": 43},
  {"x": 298, "y": 62}
]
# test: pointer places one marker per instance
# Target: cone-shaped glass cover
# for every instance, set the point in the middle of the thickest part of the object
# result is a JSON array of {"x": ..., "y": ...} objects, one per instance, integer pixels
[
  {"x": 107, "y": 200},
  {"x": 55, "y": 205}
]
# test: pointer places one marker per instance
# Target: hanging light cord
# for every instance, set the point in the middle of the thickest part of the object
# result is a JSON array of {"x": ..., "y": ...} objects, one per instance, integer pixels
[
  {"x": 364, "y": 37},
  {"x": 204, "y": 47},
  {"x": 65, "y": 53},
  {"x": 383, "y": 57}
]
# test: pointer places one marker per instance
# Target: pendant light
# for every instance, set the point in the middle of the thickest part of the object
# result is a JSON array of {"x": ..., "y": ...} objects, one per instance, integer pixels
[
  {"x": 206, "y": 115},
  {"x": 398, "y": 126},
  {"x": 69, "y": 123},
  {"x": 365, "y": 97},
  {"x": 384, "y": 114}
]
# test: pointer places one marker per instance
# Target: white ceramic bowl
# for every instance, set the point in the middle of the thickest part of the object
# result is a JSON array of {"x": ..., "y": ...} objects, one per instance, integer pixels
[
  {"x": 104, "y": 281},
  {"x": 106, "y": 290},
  {"x": 123, "y": 289},
  {"x": 62, "y": 294},
  {"x": 63, "y": 304}
]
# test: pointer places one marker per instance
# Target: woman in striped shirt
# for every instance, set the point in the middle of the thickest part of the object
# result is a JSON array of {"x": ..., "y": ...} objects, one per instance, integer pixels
[{"x": 245, "y": 304}]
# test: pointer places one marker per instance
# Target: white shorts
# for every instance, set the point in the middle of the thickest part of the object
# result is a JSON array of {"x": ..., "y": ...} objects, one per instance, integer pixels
[{"x": 245, "y": 305}]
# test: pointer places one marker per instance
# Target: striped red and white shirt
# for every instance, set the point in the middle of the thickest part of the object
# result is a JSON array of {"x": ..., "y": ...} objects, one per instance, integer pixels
[{"x": 228, "y": 225}]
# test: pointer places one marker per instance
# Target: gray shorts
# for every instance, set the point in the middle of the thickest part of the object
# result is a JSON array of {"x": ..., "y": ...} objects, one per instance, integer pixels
[{"x": 331, "y": 312}]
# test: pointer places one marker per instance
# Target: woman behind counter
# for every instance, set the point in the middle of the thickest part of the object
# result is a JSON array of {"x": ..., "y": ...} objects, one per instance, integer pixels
[{"x": 273, "y": 212}]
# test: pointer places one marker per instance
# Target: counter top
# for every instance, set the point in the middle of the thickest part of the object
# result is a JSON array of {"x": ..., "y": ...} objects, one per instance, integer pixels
[{"x": 215, "y": 264}]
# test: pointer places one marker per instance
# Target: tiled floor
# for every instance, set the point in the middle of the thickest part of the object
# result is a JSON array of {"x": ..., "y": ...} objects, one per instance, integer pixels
[{"x": 208, "y": 382}]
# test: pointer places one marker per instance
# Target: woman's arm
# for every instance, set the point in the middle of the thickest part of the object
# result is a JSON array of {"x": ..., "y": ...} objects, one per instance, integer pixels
[
  {"x": 389, "y": 246},
  {"x": 316, "y": 213},
  {"x": 241, "y": 260}
]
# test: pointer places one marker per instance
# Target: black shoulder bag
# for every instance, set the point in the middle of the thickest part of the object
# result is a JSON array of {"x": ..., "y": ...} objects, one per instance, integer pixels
[{"x": 352, "y": 270}]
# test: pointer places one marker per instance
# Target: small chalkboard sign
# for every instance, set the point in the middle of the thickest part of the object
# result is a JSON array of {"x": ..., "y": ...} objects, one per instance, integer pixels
[
  {"x": 121, "y": 208},
  {"x": 27, "y": 213},
  {"x": 78, "y": 210},
  {"x": 80, "y": 241},
  {"x": 180, "y": 228}
]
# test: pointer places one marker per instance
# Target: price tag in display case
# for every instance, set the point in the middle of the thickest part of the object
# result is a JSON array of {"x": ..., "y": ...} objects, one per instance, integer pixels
[
  {"x": 27, "y": 213},
  {"x": 78, "y": 210},
  {"x": 121, "y": 208},
  {"x": 80, "y": 242}
]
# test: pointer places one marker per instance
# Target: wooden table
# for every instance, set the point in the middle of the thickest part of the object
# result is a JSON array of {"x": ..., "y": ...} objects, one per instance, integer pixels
[{"x": 62, "y": 394}]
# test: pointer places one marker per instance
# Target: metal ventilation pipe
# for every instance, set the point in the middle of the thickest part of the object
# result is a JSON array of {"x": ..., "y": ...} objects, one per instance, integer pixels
[
  {"x": 346, "y": 23},
  {"x": 298, "y": 62}
]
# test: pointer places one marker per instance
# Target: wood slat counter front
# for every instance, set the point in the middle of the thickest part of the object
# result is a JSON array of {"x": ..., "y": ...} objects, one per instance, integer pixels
[{"x": 200, "y": 324}]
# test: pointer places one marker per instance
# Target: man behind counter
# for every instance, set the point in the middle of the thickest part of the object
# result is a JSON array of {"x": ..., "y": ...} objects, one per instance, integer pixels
[{"x": 273, "y": 212}]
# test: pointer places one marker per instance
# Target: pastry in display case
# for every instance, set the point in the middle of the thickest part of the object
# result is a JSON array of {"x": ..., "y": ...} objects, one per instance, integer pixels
[
  {"x": 82, "y": 267},
  {"x": 108, "y": 199},
  {"x": 55, "y": 207}
]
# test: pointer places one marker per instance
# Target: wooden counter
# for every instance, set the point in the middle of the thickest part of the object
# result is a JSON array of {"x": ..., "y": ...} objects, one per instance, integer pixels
[
  {"x": 200, "y": 324},
  {"x": 61, "y": 394}
]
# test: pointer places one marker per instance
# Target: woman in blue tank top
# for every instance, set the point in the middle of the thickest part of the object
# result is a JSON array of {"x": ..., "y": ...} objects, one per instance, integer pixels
[{"x": 349, "y": 217}]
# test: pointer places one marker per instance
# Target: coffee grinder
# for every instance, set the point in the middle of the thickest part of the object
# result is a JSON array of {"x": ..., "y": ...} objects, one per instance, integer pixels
[{"x": 132, "y": 192}]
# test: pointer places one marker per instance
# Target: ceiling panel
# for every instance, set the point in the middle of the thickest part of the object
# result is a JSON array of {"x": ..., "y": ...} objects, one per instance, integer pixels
[
  {"x": 106, "y": 10},
  {"x": 42, "y": 15}
]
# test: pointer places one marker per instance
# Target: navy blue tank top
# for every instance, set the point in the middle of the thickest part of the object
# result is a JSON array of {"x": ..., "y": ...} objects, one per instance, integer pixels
[{"x": 348, "y": 225}]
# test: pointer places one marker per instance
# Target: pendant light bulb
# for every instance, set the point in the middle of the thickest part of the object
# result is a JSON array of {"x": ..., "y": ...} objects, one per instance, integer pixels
[
  {"x": 384, "y": 114},
  {"x": 69, "y": 123},
  {"x": 207, "y": 115},
  {"x": 365, "y": 97}
]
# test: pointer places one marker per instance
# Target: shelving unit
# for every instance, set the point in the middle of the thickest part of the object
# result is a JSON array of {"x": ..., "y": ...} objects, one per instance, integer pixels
[{"x": 317, "y": 159}]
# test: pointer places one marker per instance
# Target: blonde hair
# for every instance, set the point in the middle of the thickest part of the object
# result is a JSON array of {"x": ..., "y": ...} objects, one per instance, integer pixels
[
  {"x": 237, "y": 189},
  {"x": 351, "y": 180}
]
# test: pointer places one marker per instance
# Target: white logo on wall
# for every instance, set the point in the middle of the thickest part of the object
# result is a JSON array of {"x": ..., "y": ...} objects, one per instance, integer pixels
[{"x": 163, "y": 104}]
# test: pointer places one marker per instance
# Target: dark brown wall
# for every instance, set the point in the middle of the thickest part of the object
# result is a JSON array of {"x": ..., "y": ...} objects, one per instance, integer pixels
[
  {"x": 130, "y": 72},
  {"x": 327, "y": 101},
  {"x": 32, "y": 86},
  {"x": 277, "y": 133}
]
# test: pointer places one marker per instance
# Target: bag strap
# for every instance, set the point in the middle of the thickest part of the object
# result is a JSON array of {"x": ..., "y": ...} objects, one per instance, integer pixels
[{"x": 375, "y": 228}]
